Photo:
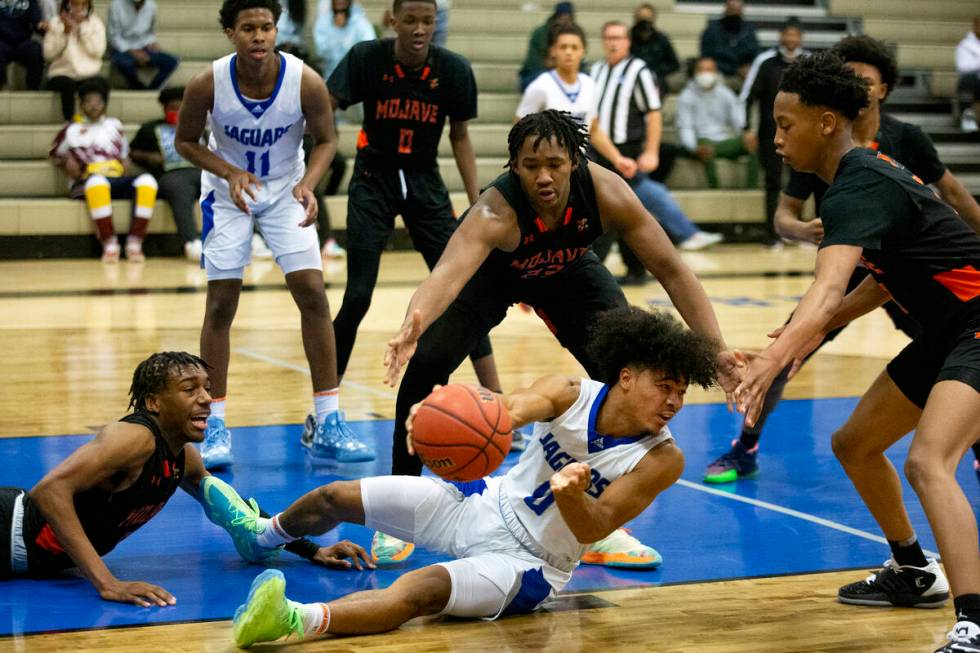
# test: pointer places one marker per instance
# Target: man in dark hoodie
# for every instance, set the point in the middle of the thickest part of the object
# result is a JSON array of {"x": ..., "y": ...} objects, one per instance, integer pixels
[
  {"x": 730, "y": 41},
  {"x": 653, "y": 46},
  {"x": 19, "y": 19}
]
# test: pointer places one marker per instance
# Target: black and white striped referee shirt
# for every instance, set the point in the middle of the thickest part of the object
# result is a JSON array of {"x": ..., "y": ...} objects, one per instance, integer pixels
[{"x": 626, "y": 92}]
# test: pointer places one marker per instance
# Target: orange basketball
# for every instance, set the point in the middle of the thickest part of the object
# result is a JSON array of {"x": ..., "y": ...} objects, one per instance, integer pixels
[{"x": 462, "y": 432}]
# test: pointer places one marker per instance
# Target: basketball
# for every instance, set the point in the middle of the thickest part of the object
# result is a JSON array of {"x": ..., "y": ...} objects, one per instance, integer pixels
[{"x": 462, "y": 432}]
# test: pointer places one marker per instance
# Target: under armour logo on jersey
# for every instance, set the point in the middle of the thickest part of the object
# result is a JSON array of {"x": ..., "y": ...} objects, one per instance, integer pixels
[
  {"x": 583, "y": 224},
  {"x": 434, "y": 82}
]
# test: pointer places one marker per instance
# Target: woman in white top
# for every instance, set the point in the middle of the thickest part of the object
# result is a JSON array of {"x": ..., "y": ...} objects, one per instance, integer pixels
[{"x": 73, "y": 47}]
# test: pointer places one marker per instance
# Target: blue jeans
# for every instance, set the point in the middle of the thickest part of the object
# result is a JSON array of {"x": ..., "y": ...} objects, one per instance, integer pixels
[
  {"x": 657, "y": 200},
  {"x": 125, "y": 63}
]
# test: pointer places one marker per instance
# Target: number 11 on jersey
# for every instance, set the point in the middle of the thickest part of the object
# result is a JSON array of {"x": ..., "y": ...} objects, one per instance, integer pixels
[{"x": 263, "y": 163}]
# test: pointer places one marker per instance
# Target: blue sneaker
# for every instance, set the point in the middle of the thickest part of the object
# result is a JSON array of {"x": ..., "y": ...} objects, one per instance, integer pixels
[
  {"x": 334, "y": 439},
  {"x": 216, "y": 448},
  {"x": 225, "y": 508}
]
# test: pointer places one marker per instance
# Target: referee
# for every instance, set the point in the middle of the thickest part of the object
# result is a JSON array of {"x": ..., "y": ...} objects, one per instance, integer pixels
[
  {"x": 409, "y": 88},
  {"x": 629, "y": 112}
]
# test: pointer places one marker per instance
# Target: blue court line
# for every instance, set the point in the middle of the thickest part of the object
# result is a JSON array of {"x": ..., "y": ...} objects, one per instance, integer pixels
[{"x": 702, "y": 537}]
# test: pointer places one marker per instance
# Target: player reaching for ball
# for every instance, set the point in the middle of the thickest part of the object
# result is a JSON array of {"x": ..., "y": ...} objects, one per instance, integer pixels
[{"x": 599, "y": 455}]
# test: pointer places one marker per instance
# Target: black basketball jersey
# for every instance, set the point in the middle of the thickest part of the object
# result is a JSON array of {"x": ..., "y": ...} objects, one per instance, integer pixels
[
  {"x": 902, "y": 141},
  {"x": 109, "y": 517},
  {"x": 404, "y": 110},
  {"x": 914, "y": 244},
  {"x": 543, "y": 252}
]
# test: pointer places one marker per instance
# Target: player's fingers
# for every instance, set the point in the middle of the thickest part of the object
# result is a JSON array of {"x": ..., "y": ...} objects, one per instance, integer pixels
[{"x": 161, "y": 594}]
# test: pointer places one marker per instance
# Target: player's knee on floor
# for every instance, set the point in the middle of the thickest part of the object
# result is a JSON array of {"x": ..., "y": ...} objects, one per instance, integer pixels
[
  {"x": 146, "y": 196},
  {"x": 98, "y": 197}
]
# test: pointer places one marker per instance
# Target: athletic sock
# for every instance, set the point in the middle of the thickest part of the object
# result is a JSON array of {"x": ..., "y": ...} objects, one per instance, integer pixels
[
  {"x": 908, "y": 552},
  {"x": 749, "y": 439},
  {"x": 137, "y": 229},
  {"x": 325, "y": 402},
  {"x": 967, "y": 607},
  {"x": 218, "y": 408},
  {"x": 316, "y": 617},
  {"x": 273, "y": 534},
  {"x": 103, "y": 227}
]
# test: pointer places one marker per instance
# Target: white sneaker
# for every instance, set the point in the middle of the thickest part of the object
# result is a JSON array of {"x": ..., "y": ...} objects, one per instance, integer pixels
[
  {"x": 192, "y": 251},
  {"x": 968, "y": 123},
  {"x": 332, "y": 250},
  {"x": 110, "y": 251},
  {"x": 259, "y": 248},
  {"x": 964, "y": 638},
  {"x": 700, "y": 240}
]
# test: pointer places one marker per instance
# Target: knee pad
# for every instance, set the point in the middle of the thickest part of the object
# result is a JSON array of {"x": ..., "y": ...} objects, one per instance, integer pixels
[
  {"x": 98, "y": 197},
  {"x": 146, "y": 196}
]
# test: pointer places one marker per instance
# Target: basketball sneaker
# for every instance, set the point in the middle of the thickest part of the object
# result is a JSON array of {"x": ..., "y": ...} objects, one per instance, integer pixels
[
  {"x": 225, "y": 508},
  {"x": 734, "y": 464},
  {"x": 620, "y": 549},
  {"x": 216, "y": 448},
  {"x": 388, "y": 550},
  {"x": 110, "y": 251},
  {"x": 964, "y": 638},
  {"x": 266, "y": 615},
  {"x": 899, "y": 585},
  {"x": 334, "y": 439}
]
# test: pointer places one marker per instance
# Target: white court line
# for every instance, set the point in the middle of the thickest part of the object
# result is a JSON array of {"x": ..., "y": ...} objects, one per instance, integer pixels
[
  {"x": 794, "y": 513},
  {"x": 387, "y": 394}
]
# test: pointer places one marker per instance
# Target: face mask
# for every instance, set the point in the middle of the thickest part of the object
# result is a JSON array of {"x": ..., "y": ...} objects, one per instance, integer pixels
[
  {"x": 643, "y": 30},
  {"x": 789, "y": 54},
  {"x": 171, "y": 117},
  {"x": 706, "y": 80},
  {"x": 732, "y": 23}
]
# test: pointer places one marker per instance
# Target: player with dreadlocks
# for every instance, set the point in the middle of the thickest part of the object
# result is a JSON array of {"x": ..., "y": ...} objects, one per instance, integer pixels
[
  {"x": 116, "y": 482},
  {"x": 527, "y": 239},
  {"x": 924, "y": 257}
]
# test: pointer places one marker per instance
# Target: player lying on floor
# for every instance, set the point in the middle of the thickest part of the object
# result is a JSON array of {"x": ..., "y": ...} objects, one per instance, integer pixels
[
  {"x": 599, "y": 455},
  {"x": 118, "y": 481}
]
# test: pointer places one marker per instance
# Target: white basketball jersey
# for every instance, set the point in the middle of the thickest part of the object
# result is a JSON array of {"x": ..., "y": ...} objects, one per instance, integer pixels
[
  {"x": 264, "y": 137},
  {"x": 548, "y": 91},
  {"x": 569, "y": 438}
]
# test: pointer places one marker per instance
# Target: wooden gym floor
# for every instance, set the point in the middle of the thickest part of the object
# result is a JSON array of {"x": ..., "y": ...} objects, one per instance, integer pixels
[{"x": 72, "y": 331}]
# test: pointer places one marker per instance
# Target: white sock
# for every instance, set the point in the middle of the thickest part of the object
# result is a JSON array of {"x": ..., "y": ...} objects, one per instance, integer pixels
[
  {"x": 316, "y": 617},
  {"x": 218, "y": 408},
  {"x": 273, "y": 534},
  {"x": 325, "y": 402}
]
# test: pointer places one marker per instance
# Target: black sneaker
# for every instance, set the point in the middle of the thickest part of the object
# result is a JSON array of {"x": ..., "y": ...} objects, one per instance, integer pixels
[
  {"x": 964, "y": 638},
  {"x": 903, "y": 586}
]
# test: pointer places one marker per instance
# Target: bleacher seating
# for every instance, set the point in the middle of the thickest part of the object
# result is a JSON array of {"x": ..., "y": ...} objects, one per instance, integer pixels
[{"x": 494, "y": 38}]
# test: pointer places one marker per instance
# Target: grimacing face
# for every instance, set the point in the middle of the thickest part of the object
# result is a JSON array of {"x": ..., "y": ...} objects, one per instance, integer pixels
[
  {"x": 544, "y": 172},
  {"x": 184, "y": 405},
  {"x": 654, "y": 398}
]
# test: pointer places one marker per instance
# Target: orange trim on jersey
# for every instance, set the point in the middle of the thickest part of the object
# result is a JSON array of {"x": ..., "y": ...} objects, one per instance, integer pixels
[
  {"x": 425, "y": 72},
  {"x": 542, "y": 227},
  {"x": 963, "y": 282},
  {"x": 48, "y": 541},
  {"x": 398, "y": 71},
  {"x": 874, "y": 145},
  {"x": 362, "y": 140},
  {"x": 568, "y": 215}
]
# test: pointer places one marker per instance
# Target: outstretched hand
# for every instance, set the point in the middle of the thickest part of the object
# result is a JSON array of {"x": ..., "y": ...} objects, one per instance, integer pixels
[
  {"x": 401, "y": 348},
  {"x": 137, "y": 593},
  {"x": 730, "y": 369},
  {"x": 335, "y": 556}
]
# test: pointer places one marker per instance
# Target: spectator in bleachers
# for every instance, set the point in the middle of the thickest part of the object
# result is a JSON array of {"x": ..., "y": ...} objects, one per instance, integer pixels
[
  {"x": 536, "y": 60},
  {"x": 289, "y": 29},
  {"x": 19, "y": 21},
  {"x": 340, "y": 25},
  {"x": 94, "y": 155},
  {"x": 968, "y": 66},
  {"x": 710, "y": 123},
  {"x": 730, "y": 41},
  {"x": 133, "y": 41},
  {"x": 441, "y": 34},
  {"x": 628, "y": 110},
  {"x": 178, "y": 180},
  {"x": 73, "y": 47},
  {"x": 653, "y": 46},
  {"x": 761, "y": 85}
]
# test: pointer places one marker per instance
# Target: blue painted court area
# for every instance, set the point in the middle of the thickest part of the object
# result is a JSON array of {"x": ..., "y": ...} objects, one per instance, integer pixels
[{"x": 703, "y": 535}]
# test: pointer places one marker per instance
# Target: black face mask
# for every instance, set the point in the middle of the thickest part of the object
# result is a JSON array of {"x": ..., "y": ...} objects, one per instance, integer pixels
[
  {"x": 732, "y": 24},
  {"x": 643, "y": 31}
]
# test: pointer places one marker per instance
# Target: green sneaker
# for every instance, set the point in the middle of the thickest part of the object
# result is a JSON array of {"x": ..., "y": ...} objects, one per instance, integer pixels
[
  {"x": 266, "y": 615},
  {"x": 225, "y": 508},
  {"x": 388, "y": 550}
]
